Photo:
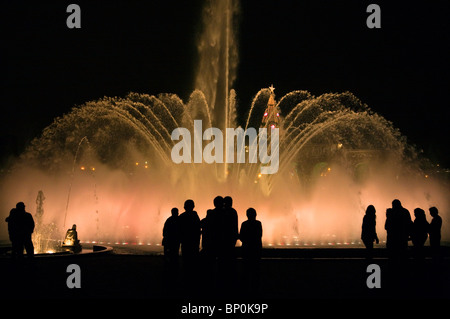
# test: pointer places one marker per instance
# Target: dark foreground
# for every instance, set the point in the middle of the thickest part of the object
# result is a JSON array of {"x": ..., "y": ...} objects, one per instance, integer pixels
[{"x": 286, "y": 276}]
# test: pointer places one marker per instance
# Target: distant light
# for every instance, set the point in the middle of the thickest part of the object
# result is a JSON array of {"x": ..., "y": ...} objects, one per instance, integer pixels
[
  {"x": 82, "y": 168},
  {"x": 137, "y": 163},
  {"x": 93, "y": 168},
  {"x": 259, "y": 175},
  {"x": 272, "y": 126},
  {"x": 426, "y": 176},
  {"x": 265, "y": 114},
  {"x": 278, "y": 114}
]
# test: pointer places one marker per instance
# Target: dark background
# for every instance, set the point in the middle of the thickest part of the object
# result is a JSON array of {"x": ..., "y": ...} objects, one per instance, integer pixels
[{"x": 400, "y": 70}]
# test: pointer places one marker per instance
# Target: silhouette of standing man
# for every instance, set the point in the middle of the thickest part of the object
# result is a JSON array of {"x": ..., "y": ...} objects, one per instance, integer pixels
[
  {"x": 398, "y": 226},
  {"x": 20, "y": 228},
  {"x": 435, "y": 231},
  {"x": 251, "y": 238},
  {"x": 189, "y": 223},
  {"x": 171, "y": 239},
  {"x": 227, "y": 257},
  {"x": 230, "y": 224},
  {"x": 215, "y": 217}
]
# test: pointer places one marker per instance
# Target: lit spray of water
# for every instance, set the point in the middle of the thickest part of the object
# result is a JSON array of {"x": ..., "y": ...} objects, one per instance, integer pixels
[{"x": 336, "y": 157}]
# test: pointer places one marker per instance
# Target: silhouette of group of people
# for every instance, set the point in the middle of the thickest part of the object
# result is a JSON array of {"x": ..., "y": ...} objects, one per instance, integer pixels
[
  {"x": 217, "y": 235},
  {"x": 401, "y": 229},
  {"x": 20, "y": 229}
]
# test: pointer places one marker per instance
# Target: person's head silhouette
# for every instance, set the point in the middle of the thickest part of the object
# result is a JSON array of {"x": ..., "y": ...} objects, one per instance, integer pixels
[
  {"x": 227, "y": 201},
  {"x": 189, "y": 205},
  {"x": 419, "y": 213},
  {"x": 20, "y": 207},
  {"x": 251, "y": 213},
  {"x": 174, "y": 212},
  {"x": 433, "y": 211},
  {"x": 370, "y": 211},
  {"x": 218, "y": 202},
  {"x": 396, "y": 204}
]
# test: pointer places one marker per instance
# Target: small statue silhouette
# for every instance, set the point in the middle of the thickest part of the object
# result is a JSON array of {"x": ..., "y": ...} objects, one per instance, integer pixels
[{"x": 71, "y": 241}]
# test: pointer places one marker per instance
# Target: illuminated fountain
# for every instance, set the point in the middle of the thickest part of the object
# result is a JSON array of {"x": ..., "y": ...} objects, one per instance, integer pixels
[
  {"x": 336, "y": 157},
  {"x": 113, "y": 157}
]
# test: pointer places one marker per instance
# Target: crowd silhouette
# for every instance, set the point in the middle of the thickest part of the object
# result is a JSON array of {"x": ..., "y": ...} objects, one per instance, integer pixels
[
  {"x": 208, "y": 247},
  {"x": 400, "y": 229}
]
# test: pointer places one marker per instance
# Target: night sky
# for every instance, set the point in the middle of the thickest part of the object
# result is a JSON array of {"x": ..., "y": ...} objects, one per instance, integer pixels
[{"x": 400, "y": 70}]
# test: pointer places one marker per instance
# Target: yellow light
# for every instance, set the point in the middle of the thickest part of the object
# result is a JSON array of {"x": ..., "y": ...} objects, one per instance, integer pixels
[
  {"x": 93, "y": 168},
  {"x": 68, "y": 242},
  {"x": 329, "y": 169},
  {"x": 82, "y": 168},
  {"x": 146, "y": 166},
  {"x": 137, "y": 163},
  {"x": 259, "y": 175}
]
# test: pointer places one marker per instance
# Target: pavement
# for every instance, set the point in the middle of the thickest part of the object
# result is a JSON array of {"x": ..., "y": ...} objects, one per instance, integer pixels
[{"x": 286, "y": 276}]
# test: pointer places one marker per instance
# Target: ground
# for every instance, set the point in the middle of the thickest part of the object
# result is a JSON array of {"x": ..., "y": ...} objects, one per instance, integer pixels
[{"x": 287, "y": 276}]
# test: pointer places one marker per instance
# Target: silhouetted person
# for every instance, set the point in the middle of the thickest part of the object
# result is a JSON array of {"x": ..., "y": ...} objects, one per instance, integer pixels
[
  {"x": 171, "y": 239},
  {"x": 435, "y": 232},
  {"x": 208, "y": 254},
  {"x": 212, "y": 234},
  {"x": 230, "y": 226},
  {"x": 369, "y": 232},
  {"x": 189, "y": 224},
  {"x": 171, "y": 243},
  {"x": 419, "y": 232},
  {"x": 215, "y": 216},
  {"x": 20, "y": 228},
  {"x": 17, "y": 248},
  {"x": 398, "y": 226},
  {"x": 251, "y": 238},
  {"x": 207, "y": 233},
  {"x": 229, "y": 232},
  {"x": 387, "y": 226}
]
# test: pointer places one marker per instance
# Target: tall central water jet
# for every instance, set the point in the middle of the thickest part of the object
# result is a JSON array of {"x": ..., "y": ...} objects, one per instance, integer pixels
[{"x": 218, "y": 56}]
